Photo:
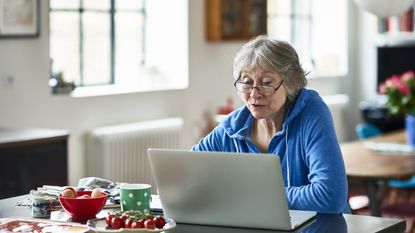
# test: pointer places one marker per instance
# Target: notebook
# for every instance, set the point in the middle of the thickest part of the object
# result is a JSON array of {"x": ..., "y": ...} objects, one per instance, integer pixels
[{"x": 223, "y": 189}]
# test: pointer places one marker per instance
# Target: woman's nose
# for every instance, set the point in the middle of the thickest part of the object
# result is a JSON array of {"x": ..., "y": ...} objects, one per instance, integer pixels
[{"x": 255, "y": 93}]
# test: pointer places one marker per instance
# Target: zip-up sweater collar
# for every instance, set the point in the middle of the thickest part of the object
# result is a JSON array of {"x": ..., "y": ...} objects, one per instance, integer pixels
[{"x": 240, "y": 129}]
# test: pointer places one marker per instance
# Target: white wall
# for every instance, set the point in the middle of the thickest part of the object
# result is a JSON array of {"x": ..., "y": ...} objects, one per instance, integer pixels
[
  {"x": 367, "y": 41},
  {"x": 28, "y": 102},
  {"x": 363, "y": 84}
]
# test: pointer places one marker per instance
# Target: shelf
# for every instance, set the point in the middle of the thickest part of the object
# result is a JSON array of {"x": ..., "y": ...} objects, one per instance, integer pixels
[{"x": 394, "y": 39}]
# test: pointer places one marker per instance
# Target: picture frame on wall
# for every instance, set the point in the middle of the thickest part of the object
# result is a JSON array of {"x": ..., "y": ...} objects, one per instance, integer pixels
[{"x": 19, "y": 18}]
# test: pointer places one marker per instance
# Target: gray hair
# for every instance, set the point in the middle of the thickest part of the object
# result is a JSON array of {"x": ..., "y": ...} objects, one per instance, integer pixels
[{"x": 279, "y": 56}]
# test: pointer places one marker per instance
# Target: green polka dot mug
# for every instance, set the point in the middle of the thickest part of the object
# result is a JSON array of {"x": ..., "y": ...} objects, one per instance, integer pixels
[{"x": 135, "y": 197}]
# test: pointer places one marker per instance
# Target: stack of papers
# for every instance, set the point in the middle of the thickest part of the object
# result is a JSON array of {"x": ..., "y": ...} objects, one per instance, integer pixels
[{"x": 391, "y": 148}]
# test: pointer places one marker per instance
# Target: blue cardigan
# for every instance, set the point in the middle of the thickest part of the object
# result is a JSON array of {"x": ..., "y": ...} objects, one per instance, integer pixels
[{"x": 311, "y": 160}]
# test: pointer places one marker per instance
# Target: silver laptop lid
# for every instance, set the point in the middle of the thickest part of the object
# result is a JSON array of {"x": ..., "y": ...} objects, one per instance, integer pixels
[{"x": 220, "y": 188}]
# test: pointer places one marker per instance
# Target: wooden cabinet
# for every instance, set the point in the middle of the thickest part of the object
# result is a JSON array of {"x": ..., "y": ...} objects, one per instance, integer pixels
[
  {"x": 235, "y": 19},
  {"x": 31, "y": 158}
]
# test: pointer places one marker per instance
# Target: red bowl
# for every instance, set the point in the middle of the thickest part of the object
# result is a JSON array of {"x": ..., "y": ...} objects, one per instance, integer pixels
[{"x": 83, "y": 209}]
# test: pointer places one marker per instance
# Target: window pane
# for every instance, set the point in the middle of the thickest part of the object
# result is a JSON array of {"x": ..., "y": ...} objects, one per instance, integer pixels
[
  {"x": 97, "y": 4},
  {"x": 280, "y": 28},
  {"x": 317, "y": 29},
  {"x": 129, "y": 4},
  {"x": 129, "y": 45},
  {"x": 279, "y": 22},
  {"x": 279, "y": 7},
  {"x": 97, "y": 64},
  {"x": 329, "y": 37},
  {"x": 303, "y": 43},
  {"x": 64, "y": 44},
  {"x": 64, "y": 4},
  {"x": 302, "y": 7}
]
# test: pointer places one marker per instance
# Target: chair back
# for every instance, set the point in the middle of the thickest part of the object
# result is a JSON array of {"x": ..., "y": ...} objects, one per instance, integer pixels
[{"x": 367, "y": 130}]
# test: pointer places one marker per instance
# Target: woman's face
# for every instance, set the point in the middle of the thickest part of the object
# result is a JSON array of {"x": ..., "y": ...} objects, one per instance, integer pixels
[{"x": 263, "y": 104}]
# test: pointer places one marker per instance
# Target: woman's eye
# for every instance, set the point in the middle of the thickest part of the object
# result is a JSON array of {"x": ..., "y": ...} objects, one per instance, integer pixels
[{"x": 247, "y": 81}]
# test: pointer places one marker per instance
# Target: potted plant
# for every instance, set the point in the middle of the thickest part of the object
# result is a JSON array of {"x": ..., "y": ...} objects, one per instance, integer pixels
[{"x": 400, "y": 91}]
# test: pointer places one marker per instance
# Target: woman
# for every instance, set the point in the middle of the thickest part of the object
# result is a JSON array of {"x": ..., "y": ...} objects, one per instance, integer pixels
[{"x": 283, "y": 118}]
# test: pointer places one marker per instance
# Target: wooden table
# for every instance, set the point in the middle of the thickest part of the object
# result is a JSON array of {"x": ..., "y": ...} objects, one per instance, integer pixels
[
  {"x": 321, "y": 223},
  {"x": 370, "y": 166}
]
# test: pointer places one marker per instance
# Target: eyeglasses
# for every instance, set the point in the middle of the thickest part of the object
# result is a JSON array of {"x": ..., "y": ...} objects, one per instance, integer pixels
[{"x": 264, "y": 89}]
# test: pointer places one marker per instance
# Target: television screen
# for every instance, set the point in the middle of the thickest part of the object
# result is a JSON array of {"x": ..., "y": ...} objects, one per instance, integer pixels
[{"x": 394, "y": 60}]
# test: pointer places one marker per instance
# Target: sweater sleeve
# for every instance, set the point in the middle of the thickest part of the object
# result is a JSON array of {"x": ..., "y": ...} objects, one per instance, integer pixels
[
  {"x": 326, "y": 191},
  {"x": 211, "y": 142}
]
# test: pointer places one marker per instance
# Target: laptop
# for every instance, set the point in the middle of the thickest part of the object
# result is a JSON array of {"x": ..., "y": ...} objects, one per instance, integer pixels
[{"x": 223, "y": 189}]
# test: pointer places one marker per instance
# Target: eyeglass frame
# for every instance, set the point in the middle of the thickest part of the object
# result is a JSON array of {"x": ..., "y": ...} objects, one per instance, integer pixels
[{"x": 258, "y": 87}]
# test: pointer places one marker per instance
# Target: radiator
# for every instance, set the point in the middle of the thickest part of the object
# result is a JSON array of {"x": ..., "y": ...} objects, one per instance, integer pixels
[
  {"x": 119, "y": 152},
  {"x": 337, "y": 105}
]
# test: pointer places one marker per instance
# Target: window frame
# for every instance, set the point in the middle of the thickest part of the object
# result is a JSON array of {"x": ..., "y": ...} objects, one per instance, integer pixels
[{"x": 112, "y": 36}]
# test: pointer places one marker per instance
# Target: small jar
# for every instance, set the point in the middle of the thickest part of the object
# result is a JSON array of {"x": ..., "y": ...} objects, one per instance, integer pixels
[{"x": 40, "y": 207}]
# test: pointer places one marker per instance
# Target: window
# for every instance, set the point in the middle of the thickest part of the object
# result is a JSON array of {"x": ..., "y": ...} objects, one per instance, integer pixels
[
  {"x": 318, "y": 31},
  {"x": 110, "y": 44}
]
